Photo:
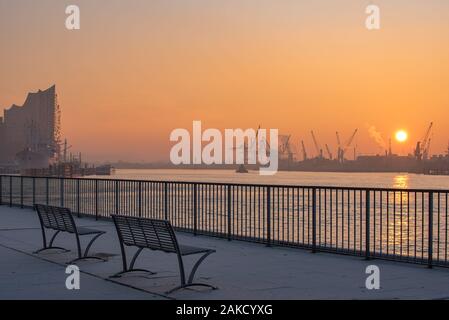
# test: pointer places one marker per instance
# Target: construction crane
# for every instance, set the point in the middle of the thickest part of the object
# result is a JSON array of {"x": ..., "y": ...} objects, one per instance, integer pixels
[
  {"x": 339, "y": 150},
  {"x": 347, "y": 145},
  {"x": 304, "y": 153},
  {"x": 285, "y": 145},
  {"x": 317, "y": 146},
  {"x": 285, "y": 149},
  {"x": 267, "y": 144},
  {"x": 247, "y": 147},
  {"x": 338, "y": 139},
  {"x": 423, "y": 146},
  {"x": 329, "y": 153}
]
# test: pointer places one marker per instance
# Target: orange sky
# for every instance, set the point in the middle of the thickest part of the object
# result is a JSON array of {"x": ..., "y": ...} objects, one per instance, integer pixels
[{"x": 138, "y": 69}]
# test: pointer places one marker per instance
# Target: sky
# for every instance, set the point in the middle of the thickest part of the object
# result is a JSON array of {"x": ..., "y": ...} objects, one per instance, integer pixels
[{"x": 138, "y": 69}]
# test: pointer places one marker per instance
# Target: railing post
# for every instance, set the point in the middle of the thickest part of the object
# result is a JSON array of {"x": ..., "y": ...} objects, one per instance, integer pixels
[
  {"x": 96, "y": 199},
  {"x": 166, "y": 200},
  {"x": 195, "y": 209},
  {"x": 10, "y": 191},
  {"x": 268, "y": 216},
  {"x": 61, "y": 192},
  {"x": 78, "y": 197},
  {"x": 21, "y": 192},
  {"x": 313, "y": 220},
  {"x": 430, "y": 237},
  {"x": 140, "y": 199},
  {"x": 116, "y": 197},
  {"x": 367, "y": 223},
  {"x": 34, "y": 191},
  {"x": 229, "y": 213},
  {"x": 47, "y": 200},
  {"x": 1, "y": 190}
]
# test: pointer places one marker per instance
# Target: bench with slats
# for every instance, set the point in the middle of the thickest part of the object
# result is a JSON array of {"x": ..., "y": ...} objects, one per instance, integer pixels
[
  {"x": 156, "y": 235},
  {"x": 61, "y": 220}
]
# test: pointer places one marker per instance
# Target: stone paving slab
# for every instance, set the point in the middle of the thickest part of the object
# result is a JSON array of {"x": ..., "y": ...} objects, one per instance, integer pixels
[{"x": 26, "y": 277}]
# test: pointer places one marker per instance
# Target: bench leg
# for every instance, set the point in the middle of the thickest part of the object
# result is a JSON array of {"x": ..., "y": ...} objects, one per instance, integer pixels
[
  {"x": 52, "y": 248},
  {"x": 187, "y": 285},
  {"x": 133, "y": 261},
  {"x": 85, "y": 256},
  {"x": 190, "y": 282},
  {"x": 90, "y": 243},
  {"x": 119, "y": 274},
  {"x": 50, "y": 245},
  {"x": 197, "y": 264},
  {"x": 131, "y": 266}
]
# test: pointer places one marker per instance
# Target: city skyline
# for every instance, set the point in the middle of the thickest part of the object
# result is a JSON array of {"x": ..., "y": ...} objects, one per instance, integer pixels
[{"x": 135, "y": 72}]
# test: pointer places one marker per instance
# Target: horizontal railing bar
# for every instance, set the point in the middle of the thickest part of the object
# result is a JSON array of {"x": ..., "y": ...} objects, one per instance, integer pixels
[{"x": 322, "y": 187}]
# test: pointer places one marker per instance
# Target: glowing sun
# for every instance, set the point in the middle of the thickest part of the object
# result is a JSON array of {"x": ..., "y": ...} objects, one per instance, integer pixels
[{"x": 401, "y": 136}]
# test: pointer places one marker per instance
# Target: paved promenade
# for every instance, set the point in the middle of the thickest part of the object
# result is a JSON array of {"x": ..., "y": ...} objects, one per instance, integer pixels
[{"x": 240, "y": 270}]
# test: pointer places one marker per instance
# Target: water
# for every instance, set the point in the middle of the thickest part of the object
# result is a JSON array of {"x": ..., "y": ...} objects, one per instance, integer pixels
[{"x": 335, "y": 179}]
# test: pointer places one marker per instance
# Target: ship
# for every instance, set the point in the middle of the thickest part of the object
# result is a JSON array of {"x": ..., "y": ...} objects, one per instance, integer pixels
[{"x": 241, "y": 169}]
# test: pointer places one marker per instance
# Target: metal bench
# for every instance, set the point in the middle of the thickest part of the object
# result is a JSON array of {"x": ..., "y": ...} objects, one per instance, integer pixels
[
  {"x": 61, "y": 220},
  {"x": 156, "y": 235}
]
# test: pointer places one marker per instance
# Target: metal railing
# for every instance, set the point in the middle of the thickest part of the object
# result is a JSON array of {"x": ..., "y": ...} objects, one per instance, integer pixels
[{"x": 407, "y": 225}]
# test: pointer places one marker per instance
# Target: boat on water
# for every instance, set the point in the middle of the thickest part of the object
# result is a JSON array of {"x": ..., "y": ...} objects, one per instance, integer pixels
[{"x": 241, "y": 169}]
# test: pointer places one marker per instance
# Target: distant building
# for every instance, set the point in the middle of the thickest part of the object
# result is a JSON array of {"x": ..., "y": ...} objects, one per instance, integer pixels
[{"x": 30, "y": 134}]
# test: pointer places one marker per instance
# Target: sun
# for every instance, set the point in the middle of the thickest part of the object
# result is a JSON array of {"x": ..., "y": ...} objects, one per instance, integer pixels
[{"x": 401, "y": 136}]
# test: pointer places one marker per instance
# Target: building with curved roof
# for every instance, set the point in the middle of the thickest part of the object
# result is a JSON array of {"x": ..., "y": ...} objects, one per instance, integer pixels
[{"x": 31, "y": 129}]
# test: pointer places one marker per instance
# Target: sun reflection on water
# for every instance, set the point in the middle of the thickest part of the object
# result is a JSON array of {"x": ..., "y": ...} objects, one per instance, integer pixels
[
  {"x": 398, "y": 222},
  {"x": 401, "y": 181}
]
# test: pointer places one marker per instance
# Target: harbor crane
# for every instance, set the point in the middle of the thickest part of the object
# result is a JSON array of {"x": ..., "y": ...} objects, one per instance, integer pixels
[
  {"x": 304, "y": 152},
  {"x": 349, "y": 143},
  {"x": 342, "y": 149},
  {"x": 423, "y": 146},
  {"x": 319, "y": 150},
  {"x": 267, "y": 144},
  {"x": 248, "y": 146},
  {"x": 286, "y": 148},
  {"x": 329, "y": 153},
  {"x": 339, "y": 148}
]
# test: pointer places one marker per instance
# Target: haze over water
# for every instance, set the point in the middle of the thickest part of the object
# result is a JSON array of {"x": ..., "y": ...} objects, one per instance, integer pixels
[{"x": 337, "y": 179}]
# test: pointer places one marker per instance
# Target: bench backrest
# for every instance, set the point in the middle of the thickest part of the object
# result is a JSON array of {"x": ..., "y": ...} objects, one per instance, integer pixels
[
  {"x": 56, "y": 218},
  {"x": 146, "y": 233}
]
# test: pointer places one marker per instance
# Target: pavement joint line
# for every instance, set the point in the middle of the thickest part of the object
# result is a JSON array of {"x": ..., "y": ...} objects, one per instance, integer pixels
[
  {"x": 18, "y": 229},
  {"x": 88, "y": 273},
  {"x": 37, "y": 228}
]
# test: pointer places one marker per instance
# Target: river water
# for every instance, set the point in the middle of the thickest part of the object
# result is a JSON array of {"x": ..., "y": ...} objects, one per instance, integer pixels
[{"x": 335, "y": 179}]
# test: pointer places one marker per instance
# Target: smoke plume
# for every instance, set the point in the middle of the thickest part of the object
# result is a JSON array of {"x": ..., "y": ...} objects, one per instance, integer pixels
[{"x": 377, "y": 137}]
